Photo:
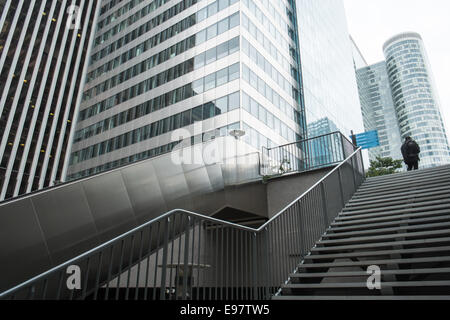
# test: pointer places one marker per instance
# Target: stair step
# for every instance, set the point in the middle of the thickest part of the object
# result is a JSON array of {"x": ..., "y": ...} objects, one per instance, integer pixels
[
  {"x": 390, "y": 236},
  {"x": 351, "y": 285},
  {"x": 373, "y": 262},
  {"x": 423, "y": 204},
  {"x": 393, "y": 196},
  {"x": 350, "y": 274},
  {"x": 388, "y": 230},
  {"x": 376, "y": 253},
  {"x": 423, "y": 177},
  {"x": 424, "y": 242},
  {"x": 397, "y": 201},
  {"x": 406, "y": 182},
  {"x": 405, "y": 187},
  {"x": 390, "y": 217},
  {"x": 418, "y": 175},
  {"x": 407, "y": 174},
  {"x": 370, "y": 226},
  {"x": 423, "y": 208}
]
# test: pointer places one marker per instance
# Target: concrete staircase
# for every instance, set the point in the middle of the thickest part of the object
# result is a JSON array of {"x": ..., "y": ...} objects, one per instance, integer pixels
[{"x": 400, "y": 223}]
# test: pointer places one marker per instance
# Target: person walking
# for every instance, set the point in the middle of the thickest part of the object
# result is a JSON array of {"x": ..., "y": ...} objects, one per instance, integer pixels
[{"x": 410, "y": 152}]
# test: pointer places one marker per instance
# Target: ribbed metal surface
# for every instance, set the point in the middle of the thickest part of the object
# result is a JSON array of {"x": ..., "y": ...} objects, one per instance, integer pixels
[{"x": 43, "y": 57}]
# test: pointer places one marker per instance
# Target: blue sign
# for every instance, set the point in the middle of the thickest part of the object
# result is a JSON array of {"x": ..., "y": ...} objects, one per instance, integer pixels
[{"x": 367, "y": 140}]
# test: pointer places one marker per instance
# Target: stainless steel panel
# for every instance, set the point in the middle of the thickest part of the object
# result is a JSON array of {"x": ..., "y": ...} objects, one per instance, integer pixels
[
  {"x": 21, "y": 244},
  {"x": 66, "y": 221},
  {"x": 144, "y": 191},
  {"x": 110, "y": 205}
]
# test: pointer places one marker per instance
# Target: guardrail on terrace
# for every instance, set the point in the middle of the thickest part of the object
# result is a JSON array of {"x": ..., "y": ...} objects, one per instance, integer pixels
[
  {"x": 184, "y": 255},
  {"x": 305, "y": 155}
]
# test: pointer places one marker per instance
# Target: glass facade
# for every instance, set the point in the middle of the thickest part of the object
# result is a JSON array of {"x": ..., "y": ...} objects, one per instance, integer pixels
[
  {"x": 156, "y": 62},
  {"x": 329, "y": 82},
  {"x": 162, "y": 65},
  {"x": 415, "y": 97},
  {"x": 379, "y": 110}
]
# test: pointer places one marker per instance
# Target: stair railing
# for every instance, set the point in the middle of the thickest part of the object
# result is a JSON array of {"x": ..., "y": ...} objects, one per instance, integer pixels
[{"x": 185, "y": 255}]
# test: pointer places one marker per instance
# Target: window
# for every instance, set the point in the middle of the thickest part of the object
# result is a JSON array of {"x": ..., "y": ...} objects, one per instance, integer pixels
[
  {"x": 197, "y": 114},
  {"x": 200, "y": 37},
  {"x": 210, "y": 82},
  {"x": 233, "y": 45},
  {"x": 212, "y": 9},
  {"x": 246, "y": 102},
  {"x": 186, "y": 118},
  {"x": 222, "y": 50},
  {"x": 223, "y": 26},
  {"x": 234, "y": 20},
  {"x": 202, "y": 14},
  {"x": 221, "y": 106},
  {"x": 222, "y": 4},
  {"x": 233, "y": 73},
  {"x": 233, "y": 101},
  {"x": 199, "y": 61},
  {"x": 262, "y": 114},
  {"x": 208, "y": 110},
  {"x": 210, "y": 56},
  {"x": 246, "y": 73},
  {"x": 212, "y": 31},
  {"x": 197, "y": 86},
  {"x": 254, "y": 108},
  {"x": 222, "y": 77}
]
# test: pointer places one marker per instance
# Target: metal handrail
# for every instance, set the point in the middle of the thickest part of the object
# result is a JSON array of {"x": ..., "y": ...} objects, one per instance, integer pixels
[{"x": 262, "y": 232}]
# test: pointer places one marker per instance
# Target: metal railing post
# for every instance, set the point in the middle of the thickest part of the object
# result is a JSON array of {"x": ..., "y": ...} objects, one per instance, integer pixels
[
  {"x": 324, "y": 204},
  {"x": 255, "y": 268},
  {"x": 341, "y": 188},
  {"x": 164, "y": 260}
]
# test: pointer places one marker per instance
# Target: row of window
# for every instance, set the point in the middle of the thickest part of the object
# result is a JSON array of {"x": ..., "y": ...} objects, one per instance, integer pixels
[
  {"x": 208, "y": 82},
  {"x": 268, "y": 25},
  {"x": 162, "y": 36},
  {"x": 265, "y": 90},
  {"x": 124, "y": 9},
  {"x": 276, "y": 17},
  {"x": 174, "y": 122},
  {"x": 259, "y": 60},
  {"x": 214, "y": 108},
  {"x": 169, "y": 53},
  {"x": 152, "y": 23},
  {"x": 207, "y": 136},
  {"x": 162, "y": 101},
  {"x": 109, "y": 6},
  {"x": 259, "y": 36},
  {"x": 266, "y": 117},
  {"x": 212, "y": 55}
]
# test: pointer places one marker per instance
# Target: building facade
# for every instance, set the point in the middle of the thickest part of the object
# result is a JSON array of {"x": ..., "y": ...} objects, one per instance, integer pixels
[
  {"x": 329, "y": 82},
  {"x": 215, "y": 65},
  {"x": 415, "y": 97},
  {"x": 399, "y": 99},
  {"x": 206, "y": 66},
  {"x": 43, "y": 54},
  {"x": 379, "y": 110}
]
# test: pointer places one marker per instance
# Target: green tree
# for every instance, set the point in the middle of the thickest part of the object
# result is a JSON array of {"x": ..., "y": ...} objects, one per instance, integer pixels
[{"x": 383, "y": 166}]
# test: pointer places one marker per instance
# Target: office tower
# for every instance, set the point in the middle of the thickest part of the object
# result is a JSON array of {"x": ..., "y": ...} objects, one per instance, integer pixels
[
  {"x": 399, "y": 99},
  {"x": 160, "y": 66},
  {"x": 329, "y": 82},
  {"x": 43, "y": 51},
  {"x": 379, "y": 111},
  {"x": 157, "y": 66},
  {"x": 415, "y": 97}
]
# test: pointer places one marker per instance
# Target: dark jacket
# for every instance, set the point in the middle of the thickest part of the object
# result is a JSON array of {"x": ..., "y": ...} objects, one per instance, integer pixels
[{"x": 410, "y": 151}]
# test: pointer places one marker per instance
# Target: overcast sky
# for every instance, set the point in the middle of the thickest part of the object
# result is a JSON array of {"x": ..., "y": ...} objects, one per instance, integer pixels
[{"x": 372, "y": 22}]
